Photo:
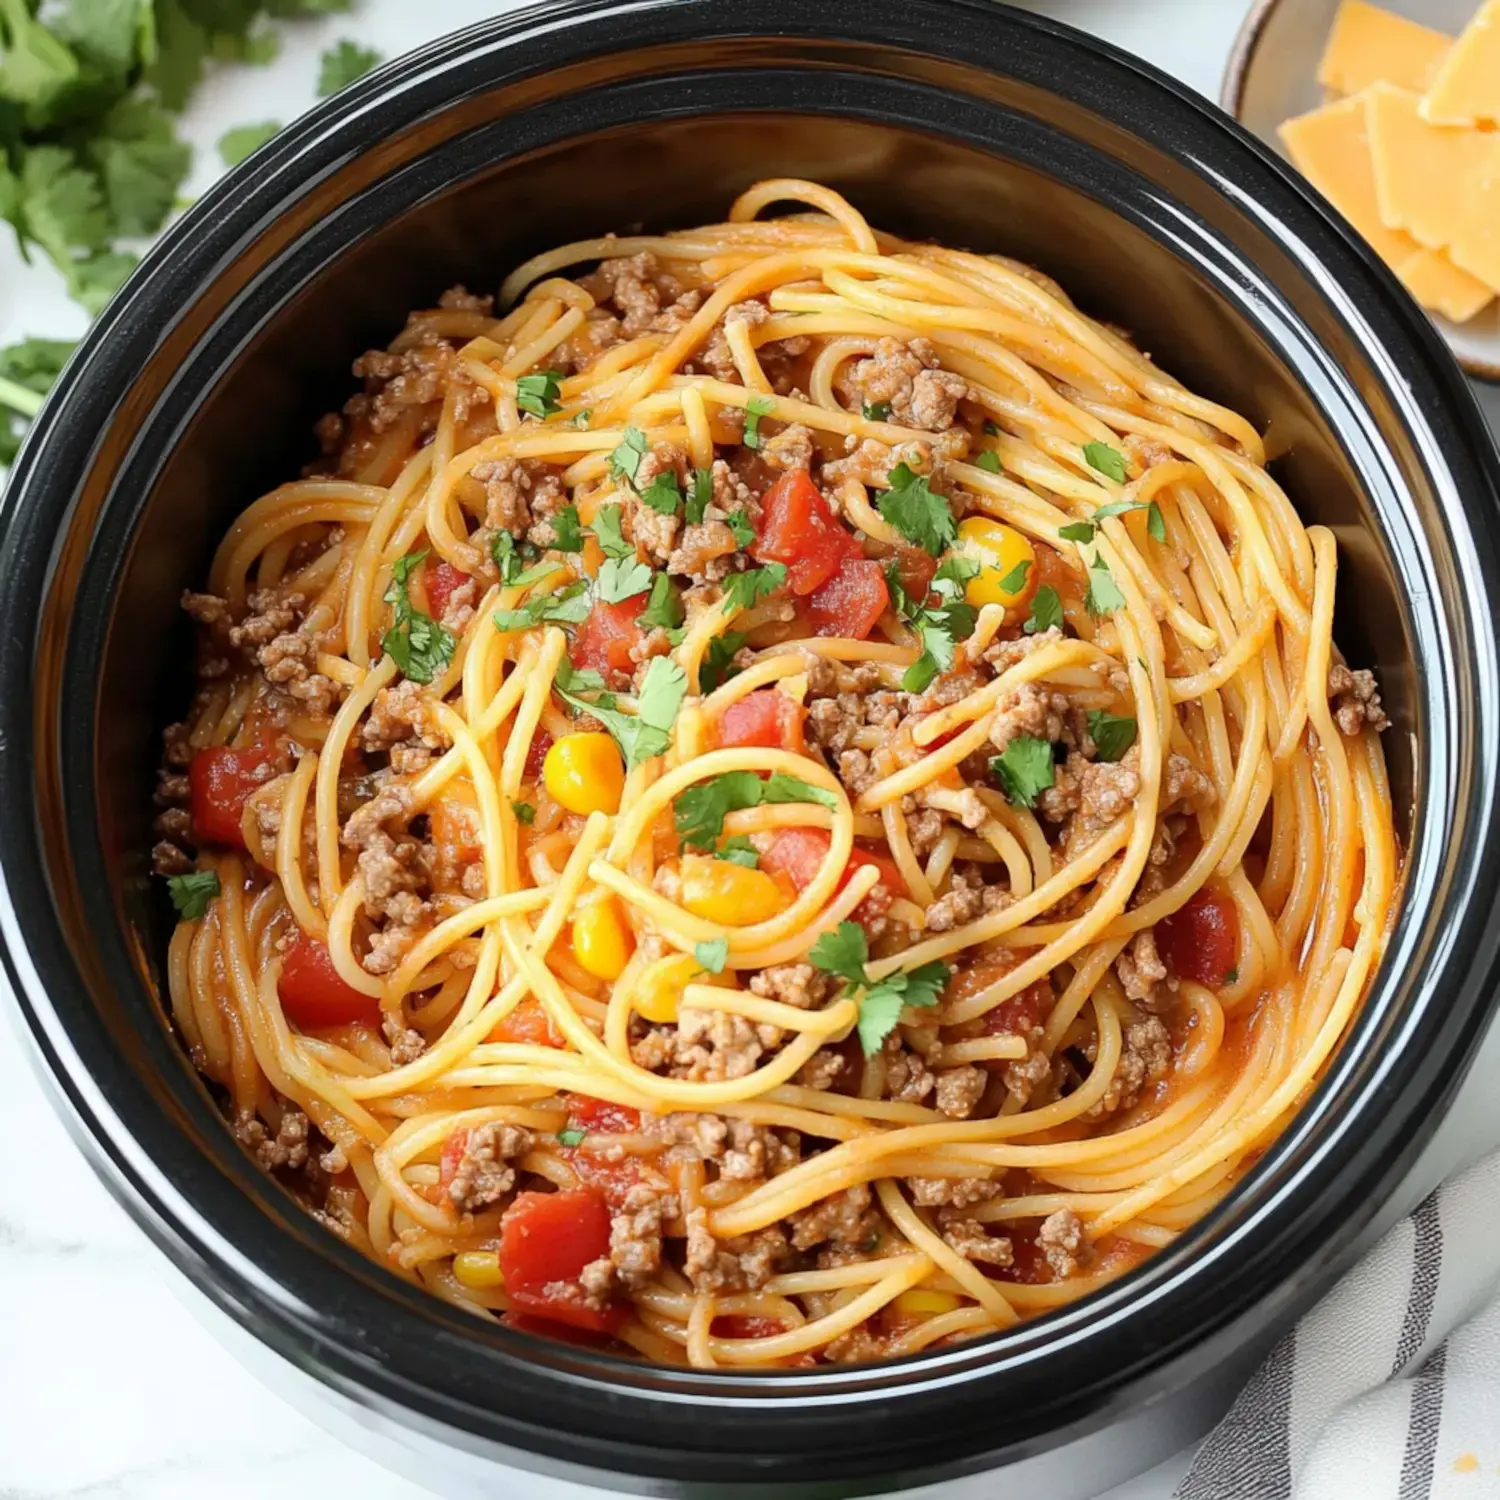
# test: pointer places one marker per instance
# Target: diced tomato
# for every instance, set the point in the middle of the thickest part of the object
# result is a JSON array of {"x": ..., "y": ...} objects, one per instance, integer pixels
[
  {"x": 220, "y": 781},
  {"x": 606, "y": 636},
  {"x": 798, "y": 853},
  {"x": 765, "y": 717},
  {"x": 851, "y": 601},
  {"x": 443, "y": 580},
  {"x": 1028, "y": 1263},
  {"x": 453, "y": 1153},
  {"x": 745, "y": 1326},
  {"x": 314, "y": 994},
  {"x": 536, "y": 754},
  {"x": 798, "y": 528},
  {"x": 546, "y": 1239},
  {"x": 1201, "y": 940},
  {"x": 587, "y": 1113},
  {"x": 528, "y": 1024},
  {"x": 1021, "y": 1013},
  {"x": 547, "y": 1329}
]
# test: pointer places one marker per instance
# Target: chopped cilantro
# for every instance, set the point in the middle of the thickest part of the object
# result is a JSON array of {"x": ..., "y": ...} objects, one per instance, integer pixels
[
  {"x": 244, "y": 140},
  {"x": 1015, "y": 580},
  {"x": 742, "y": 527},
  {"x": 756, "y": 408},
  {"x": 606, "y": 529},
  {"x": 940, "y": 627},
  {"x": 1112, "y": 734},
  {"x": 663, "y": 493},
  {"x": 989, "y": 461},
  {"x": 648, "y": 731},
  {"x": 700, "y": 809},
  {"x": 418, "y": 644},
  {"x": 1077, "y": 531},
  {"x": 567, "y": 533},
  {"x": 740, "y": 851},
  {"x": 1105, "y": 460},
  {"x": 1046, "y": 611},
  {"x": 877, "y": 411},
  {"x": 524, "y": 811},
  {"x": 700, "y": 496},
  {"x": 990, "y": 428},
  {"x": 626, "y": 459},
  {"x": 191, "y": 893},
  {"x": 663, "y": 608},
  {"x": 713, "y": 955},
  {"x": 342, "y": 63},
  {"x": 568, "y": 606},
  {"x": 844, "y": 952},
  {"x": 918, "y": 514},
  {"x": 622, "y": 578},
  {"x": 1023, "y": 769},
  {"x": 742, "y": 590},
  {"x": 572, "y": 1136},
  {"x": 718, "y": 661},
  {"x": 1117, "y": 508},
  {"x": 1104, "y": 596},
  {"x": 538, "y": 394},
  {"x": 27, "y": 370},
  {"x": 581, "y": 418},
  {"x": 784, "y": 788},
  {"x": 1156, "y": 523}
]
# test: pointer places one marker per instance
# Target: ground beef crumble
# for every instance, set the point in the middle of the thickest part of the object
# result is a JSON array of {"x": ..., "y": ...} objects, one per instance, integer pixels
[
  {"x": 485, "y": 1174},
  {"x": 1355, "y": 700}
]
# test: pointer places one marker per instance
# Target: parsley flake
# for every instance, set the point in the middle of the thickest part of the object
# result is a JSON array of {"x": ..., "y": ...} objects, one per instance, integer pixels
[
  {"x": 538, "y": 394},
  {"x": 1023, "y": 769},
  {"x": 191, "y": 893},
  {"x": 1104, "y": 596},
  {"x": 1105, "y": 460},
  {"x": 418, "y": 644},
  {"x": 756, "y": 408},
  {"x": 1112, "y": 734},
  {"x": 713, "y": 955},
  {"x": 918, "y": 514}
]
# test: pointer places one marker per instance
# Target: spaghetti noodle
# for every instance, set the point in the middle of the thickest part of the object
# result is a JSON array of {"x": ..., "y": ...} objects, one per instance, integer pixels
[{"x": 787, "y": 798}]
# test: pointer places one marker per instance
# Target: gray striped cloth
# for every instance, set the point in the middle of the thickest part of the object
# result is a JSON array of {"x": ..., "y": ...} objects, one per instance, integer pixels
[{"x": 1390, "y": 1388}]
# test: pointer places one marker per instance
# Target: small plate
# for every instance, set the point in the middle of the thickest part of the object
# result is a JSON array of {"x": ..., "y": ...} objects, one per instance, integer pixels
[{"x": 1272, "y": 76}]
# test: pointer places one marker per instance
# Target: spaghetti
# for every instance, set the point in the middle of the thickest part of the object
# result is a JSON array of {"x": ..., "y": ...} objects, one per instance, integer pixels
[{"x": 786, "y": 798}]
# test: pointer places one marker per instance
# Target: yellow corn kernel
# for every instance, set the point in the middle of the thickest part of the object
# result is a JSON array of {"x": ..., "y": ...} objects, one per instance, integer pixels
[
  {"x": 584, "y": 773},
  {"x": 999, "y": 550},
  {"x": 658, "y": 992},
  {"x": 720, "y": 891},
  {"x": 920, "y": 1302},
  {"x": 479, "y": 1269},
  {"x": 602, "y": 943}
]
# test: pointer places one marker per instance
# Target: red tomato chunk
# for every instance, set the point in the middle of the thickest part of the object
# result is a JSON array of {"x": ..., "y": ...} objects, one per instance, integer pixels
[
  {"x": 536, "y": 755},
  {"x": 607, "y": 635},
  {"x": 313, "y": 994},
  {"x": 798, "y": 853},
  {"x": 546, "y": 1239},
  {"x": 220, "y": 781},
  {"x": 798, "y": 528},
  {"x": 1201, "y": 940},
  {"x": 851, "y": 601},
  {"x": 443, "y": 580},
  {"x": 587, "y": 1113},
  {"x": 765, "y": 717}
]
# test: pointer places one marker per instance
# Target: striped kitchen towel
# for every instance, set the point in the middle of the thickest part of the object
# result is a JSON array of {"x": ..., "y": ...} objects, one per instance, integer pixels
[{"x": 1390, "y": 1388}]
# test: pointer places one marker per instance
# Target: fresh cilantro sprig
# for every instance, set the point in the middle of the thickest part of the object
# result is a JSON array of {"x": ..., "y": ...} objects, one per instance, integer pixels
[
  {"x": 1112, "y": 734},
  {"x": 1083, "y": 531},
  {"x": 1024, "y": 769},
  {"x": 608, "y": 532},
  {"x": 418, "y": 644},
  {"x": 569, "y": 605},
  {"x": 1105, "y": 460},
  {"x": 622, "y": 578},
  {"x": 342, "y": 63},
  {"x": 664, "y": 607},
  {"x": 191, "y": 893},
  {"x": 1046, "y": 611},
  {"x": 844, "y": 953},
  {"x": 27, "y": 371},
  {"x": 512, "y": 558},
  {"x": 566, "y": 530},
  {"x": 742, "y": 590},
  {"x": 648, "y": 731},
  {"x": 663, "y": 493},
  {"x": 718, "y": 665},
  {"x": 700, "y": 497},
  {"x": 742, "y": 526},
  {"x": 700, "y": 809},
  {"x": 756, "y": 408},
  {"x": 625, "y": 461},
  {"x": 939, "y": 627},
  {"x": 919, "y": 515},
  {"x": 1103, "y": 596}
]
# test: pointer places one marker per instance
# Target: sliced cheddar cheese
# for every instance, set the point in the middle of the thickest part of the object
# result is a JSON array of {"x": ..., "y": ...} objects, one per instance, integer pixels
[
  {"x": 1422, "y": 171},
  {"x": 1331, "y": 148},
  {"x": 1441, "y": 287},
  {"x": 1369, "y": 45},
  {"x": 1466, "y": 88},
  {"x": 1476, "y": 245}
]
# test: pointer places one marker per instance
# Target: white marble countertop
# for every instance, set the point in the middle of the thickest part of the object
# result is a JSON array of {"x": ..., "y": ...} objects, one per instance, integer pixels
[{"x": 109, "y": 1387}]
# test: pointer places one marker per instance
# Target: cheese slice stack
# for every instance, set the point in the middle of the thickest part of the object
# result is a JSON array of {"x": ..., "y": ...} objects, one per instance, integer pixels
[{"x": 1411, "y": 156}]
